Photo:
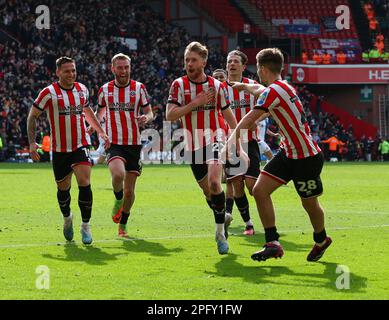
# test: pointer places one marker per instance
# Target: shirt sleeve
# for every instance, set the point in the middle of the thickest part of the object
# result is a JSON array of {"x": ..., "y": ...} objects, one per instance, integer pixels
[
  {"x": 266, "y": 100},
  {"x": 86, "y": 93},
  {"x": 100, "y": 98},
  {"x": 144, "y": 96},
  {"x": 175, "y": 95},
  {"x": 43, "y": 99},
  {"x": 223, "y": 97}
]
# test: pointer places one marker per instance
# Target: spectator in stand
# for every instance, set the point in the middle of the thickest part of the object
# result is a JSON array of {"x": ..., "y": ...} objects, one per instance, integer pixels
[
  {"x": 333, "y": 148},
  {"x": 327, "y": 58},
  {"x": 304, "y": 57},
  {"x": 317, "y": 58},
  {"x": 373, "y": 24},
  {"x": 383, "y": 148},
  {"x": 341, "y": 57}
]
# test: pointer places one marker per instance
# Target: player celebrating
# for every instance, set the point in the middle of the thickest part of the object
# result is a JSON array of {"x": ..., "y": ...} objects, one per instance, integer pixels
[
  {"x": 66, "y": 103},
  {"x": 200, "y": 102},
  {"x": 121, "y": 102},
  {"x": 241, "y": 103},
  {"x": 300, "y": 159}
]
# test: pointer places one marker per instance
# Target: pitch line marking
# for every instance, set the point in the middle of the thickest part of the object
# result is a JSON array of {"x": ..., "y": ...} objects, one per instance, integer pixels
[{"x": 53, "y": 244}]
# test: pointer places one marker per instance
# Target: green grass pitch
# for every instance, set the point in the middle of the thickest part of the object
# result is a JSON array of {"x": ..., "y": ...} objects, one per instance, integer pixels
[{"x": 173, "y": 254}]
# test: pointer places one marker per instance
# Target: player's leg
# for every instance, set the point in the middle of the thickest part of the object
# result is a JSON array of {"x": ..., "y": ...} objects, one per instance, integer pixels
[
  {"x": 229, "y": 205},
  {"x": 309, "y": 186},
  {"x": 85, "y": 199},
  {"x": 218, "y": 201},
  {"x": 63, "y": 177},
  {"x": 275, "y": 174},
  {"x": 116, "y": 165},
  {"x": 133, "y": 169},
  {"x": 129, "y": 199},
  {"x": 229, "y": 197},
  {"x": 250, "y": 179}
]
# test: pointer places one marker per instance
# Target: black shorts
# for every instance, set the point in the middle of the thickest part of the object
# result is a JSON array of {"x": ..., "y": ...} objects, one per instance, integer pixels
[
  {"x": 253, "y": 168},
  {"x": 63, "y": 162},
  {"x": 200, "y": 158},
  {"x": 305, "y": 173},
  {"x": 130, "y": 155}
]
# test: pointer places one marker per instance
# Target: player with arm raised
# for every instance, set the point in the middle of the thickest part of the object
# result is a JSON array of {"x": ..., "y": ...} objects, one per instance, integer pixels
[
  {"x": 66, "y": 103},
  {"x": 200, "y": 102},
  {"x": 300, "y": 159},
  {"x": 124, "y": 103}
]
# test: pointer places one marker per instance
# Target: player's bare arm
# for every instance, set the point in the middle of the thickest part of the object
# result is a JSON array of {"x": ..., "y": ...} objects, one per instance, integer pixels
[
  {"x": 174, "y": 112},
  {"x": 95, "y": 123},
  {"x": 253, "y": 88},
  {"x": 31, "y": 131},
  {"x": 247, "y": 122},
  {"x": 146, "y": 117}
]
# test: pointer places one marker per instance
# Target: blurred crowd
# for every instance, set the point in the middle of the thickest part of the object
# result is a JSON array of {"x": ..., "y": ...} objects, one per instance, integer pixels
[
  {"x": 337, "y": 142},
  {"x": 85, "y": 31}
]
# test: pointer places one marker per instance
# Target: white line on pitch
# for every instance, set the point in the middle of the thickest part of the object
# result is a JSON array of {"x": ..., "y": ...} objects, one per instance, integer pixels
[{"x": 53, "y": 244}]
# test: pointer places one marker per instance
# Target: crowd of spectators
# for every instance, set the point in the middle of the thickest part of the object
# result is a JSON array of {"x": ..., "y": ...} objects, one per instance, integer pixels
[
  {"x": 325, "y": 127},
  {"x": 88, "y": 31}
]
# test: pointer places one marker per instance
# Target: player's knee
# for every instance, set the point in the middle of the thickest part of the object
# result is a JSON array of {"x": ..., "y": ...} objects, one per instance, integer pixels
[
  {"x": 117, "y": 176},
  {"x": 256, "y": 192},
  {"x": 129, "y": 193},
  {"x": 214, "y": 186}
]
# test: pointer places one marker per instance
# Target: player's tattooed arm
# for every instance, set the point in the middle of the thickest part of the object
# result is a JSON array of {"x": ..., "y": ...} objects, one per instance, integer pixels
[{"x": 31, "y": 131}]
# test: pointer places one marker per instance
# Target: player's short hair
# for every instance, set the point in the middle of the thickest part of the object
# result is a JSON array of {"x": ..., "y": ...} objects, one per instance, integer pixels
[
  {"x": 243, "y": 57},
  {"x": 271, "y": 58},
  {"x": 219, "y": 71},
  {"x": 120, "y": 56},
  {"x": 198, "y": 48},
  {"x": 62, "y": 60}
]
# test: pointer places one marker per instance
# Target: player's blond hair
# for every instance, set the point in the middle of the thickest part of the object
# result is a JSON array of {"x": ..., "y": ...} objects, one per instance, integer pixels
[
  {"x": 198, "y": 48},
  {"x": 120, "y": 56}
]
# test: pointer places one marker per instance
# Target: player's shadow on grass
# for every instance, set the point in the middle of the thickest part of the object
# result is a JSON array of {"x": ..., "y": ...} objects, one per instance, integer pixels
[
  {"x": 267, "y": 273},
  {"x": 153, "y": 248},
  {"x": 88, "y": 254}
]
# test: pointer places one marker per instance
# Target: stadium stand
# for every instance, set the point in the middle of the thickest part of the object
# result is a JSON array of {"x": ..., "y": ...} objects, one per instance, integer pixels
[{"x": 83, "y": 31}]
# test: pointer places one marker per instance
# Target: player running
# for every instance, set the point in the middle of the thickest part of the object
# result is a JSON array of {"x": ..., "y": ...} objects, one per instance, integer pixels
[
  {"x": 243, "y": 102},
  {"x": 124, "y": 103},
  {"x": 300, "y": 159},
  {"x": 66, "y": 103},
  {"x": 200, "y": 102}
]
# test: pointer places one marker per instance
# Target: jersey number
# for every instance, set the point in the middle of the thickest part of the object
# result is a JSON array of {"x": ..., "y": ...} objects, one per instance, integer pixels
[{"x": 305, "y": 186}]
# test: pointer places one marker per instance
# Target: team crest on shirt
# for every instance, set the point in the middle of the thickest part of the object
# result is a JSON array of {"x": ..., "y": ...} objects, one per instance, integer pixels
[
  {"x": 132, "y": 93},
  {"x": 262, "y": 98},
  {"x": 81, "y": 94}
]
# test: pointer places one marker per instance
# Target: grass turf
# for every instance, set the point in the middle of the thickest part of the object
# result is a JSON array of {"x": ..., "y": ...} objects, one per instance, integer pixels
[{"x": 174, "y": 255}]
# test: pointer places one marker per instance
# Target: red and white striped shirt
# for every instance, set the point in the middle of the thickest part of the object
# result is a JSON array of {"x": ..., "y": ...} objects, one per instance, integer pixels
[
  {"x": 122, "y": 107},
  {"x": 205, "y": 124},
  {"x": 64, "y": 109},
  {"x": 283, "y": 104},
  {"x": 241, "y": 103}
]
